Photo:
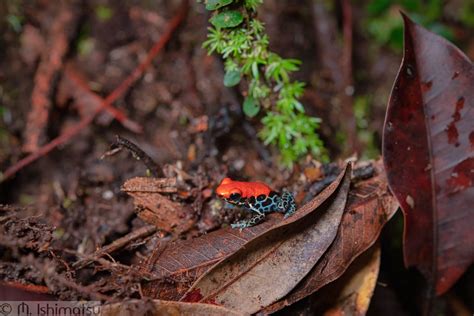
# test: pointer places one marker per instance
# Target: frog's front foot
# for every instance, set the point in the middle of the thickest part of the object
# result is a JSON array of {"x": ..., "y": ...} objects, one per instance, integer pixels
[
  {"x": 249, "y": 223},
  {"x": 240, "y": 225}
]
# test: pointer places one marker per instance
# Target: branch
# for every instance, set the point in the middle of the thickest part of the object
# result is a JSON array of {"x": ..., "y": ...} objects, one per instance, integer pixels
[
  {"x": 49, "y": 66},
  {"x": 81, "y": 93}
]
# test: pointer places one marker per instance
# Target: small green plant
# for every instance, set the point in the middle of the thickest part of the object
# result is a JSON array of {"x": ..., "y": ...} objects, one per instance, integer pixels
[{"x": 239, "y": 37}]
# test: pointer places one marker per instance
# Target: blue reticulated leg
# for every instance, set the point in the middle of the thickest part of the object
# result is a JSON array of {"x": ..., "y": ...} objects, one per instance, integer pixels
[
  {"x": 289, "y": 204},
  {"x": 254, "y": 220}
]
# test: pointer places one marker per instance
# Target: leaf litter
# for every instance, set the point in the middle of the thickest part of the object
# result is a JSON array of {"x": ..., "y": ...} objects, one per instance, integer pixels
[{"x": 245, "y": 281}]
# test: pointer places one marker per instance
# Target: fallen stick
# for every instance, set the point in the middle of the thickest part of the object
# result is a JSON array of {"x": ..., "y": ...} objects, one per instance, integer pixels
[
  {"x": 33, "y": 288},
  {"x": 49, "y": 66},
  {"x": 136, "y": 151},
  {"x": 117, "y": 244},
  {"x": 118, "y": 92},
  {"x": 81, "y": 91}
]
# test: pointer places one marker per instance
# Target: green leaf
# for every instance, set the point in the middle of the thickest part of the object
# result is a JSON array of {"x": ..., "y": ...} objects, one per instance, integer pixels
[
  {"x": 251, "y": 107},
  {"x": 227, "y": 19},
  {"x": 231, "y": 78},
  {"x": 253, "y": 4},
  {"x": 216, "y": 4}
]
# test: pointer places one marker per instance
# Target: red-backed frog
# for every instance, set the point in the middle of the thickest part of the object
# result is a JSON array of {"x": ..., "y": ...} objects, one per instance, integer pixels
[{"x": 256, "y": 197}]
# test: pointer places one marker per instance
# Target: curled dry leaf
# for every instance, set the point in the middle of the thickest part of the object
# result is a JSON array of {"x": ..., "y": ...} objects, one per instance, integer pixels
[
  {"x": 269, "y": 266},
  {"x": 428, "y": 150},
  {"x": 182, "y": 262},
  {"x": 352, "y": 292},
  {"x": 369, "y": 207},
  {"x": 155, "y": 208},
  {"x": 157, "y": 307},
  {"x": 359, "y": 282}
]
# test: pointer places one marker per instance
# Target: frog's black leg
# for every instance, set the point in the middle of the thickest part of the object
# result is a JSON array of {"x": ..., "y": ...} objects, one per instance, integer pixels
[
  {"x": 276, "y": 202},
  {"x": 289, "y": 204}
]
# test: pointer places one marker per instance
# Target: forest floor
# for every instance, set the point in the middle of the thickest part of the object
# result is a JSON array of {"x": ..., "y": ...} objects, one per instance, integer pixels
[{"x": 57, "y": 70}]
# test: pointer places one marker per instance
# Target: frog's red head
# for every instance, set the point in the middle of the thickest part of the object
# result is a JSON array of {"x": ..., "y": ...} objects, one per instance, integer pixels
[{"x": 230, "y": 189}]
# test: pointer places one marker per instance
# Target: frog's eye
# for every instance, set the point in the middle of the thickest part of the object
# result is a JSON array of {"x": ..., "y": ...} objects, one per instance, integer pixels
[{"x": 235, "y": 196}]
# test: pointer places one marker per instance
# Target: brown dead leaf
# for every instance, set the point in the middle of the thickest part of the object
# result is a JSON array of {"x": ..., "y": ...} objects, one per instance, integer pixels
[
  {"x": 150, "y": 185},
  {"x": 354, "y": 290},
  {"x": 184, "y": 261},
  {"x": 370, "y": 205},
  {"x": 313, "y": 173},
  {"x": 269, "y": 266},
  {"x": 157, "y": 307},
  {"x": 156, "y": 209}
]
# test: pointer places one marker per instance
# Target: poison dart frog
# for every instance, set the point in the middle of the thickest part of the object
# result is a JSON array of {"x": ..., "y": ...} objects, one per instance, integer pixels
[{"x": 255, "y": 197}]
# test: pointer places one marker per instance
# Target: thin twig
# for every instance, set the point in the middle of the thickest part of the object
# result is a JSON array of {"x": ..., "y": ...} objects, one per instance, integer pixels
[
  {"x": 6, "y": 218},
  {"x": 118, "y": 244},
  {"x": 33, "y": 288},
  {"x": 71, "y": 74},
  {"x": 110, "y": 265},
  {"x": 114, "y": 266},
  {"x": 86, "y": 290},
  {"x": 10, "y": 208},
  {"x": 136, "y": 151},
  {"x": 112, "y": 97}
]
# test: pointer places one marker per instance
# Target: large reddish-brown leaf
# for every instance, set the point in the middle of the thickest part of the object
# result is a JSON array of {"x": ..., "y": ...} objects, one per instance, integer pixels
[
  {"x": 428, "y": 150},
  {"x": 369, "y": 206},
  {"x": 181, "y": 263},
  {"x": 269, "y": 266}
]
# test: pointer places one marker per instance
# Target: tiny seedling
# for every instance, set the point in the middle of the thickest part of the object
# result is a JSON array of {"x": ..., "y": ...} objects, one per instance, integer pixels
[{"x": 239, "y": 37}]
